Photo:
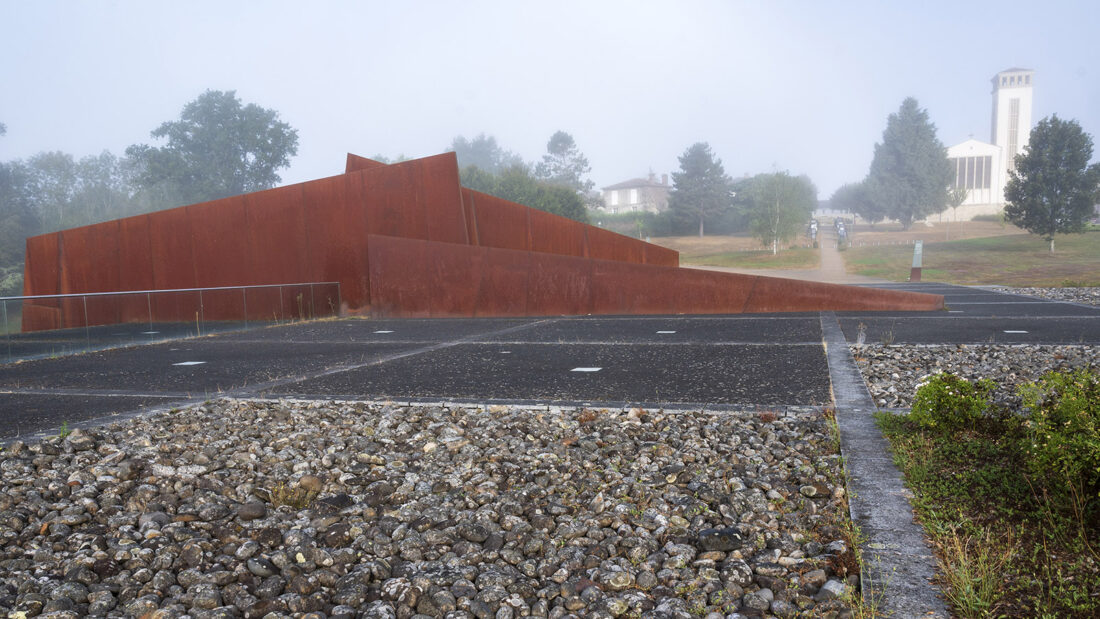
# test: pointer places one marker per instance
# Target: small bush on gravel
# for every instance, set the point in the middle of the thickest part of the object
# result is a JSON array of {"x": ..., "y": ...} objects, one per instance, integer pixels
[
  {"x": 949, "y": 403},
  {"x": 1063, "y": 443}
]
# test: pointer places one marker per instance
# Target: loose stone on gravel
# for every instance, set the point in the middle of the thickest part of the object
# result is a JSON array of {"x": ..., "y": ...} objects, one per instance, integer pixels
[
  {"x": 343, "y": 509},
  {"x": 892, "y": 373},
  {"x": 1086, "y": 295}
]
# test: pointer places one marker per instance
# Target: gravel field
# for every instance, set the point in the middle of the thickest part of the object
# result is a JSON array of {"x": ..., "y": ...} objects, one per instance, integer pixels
[
  {"x": 893, "y": 372},
  {"x": 1084, "y": 295},
  {"x": 256, "y": 509},
  {"x": 340, "y": 509}
]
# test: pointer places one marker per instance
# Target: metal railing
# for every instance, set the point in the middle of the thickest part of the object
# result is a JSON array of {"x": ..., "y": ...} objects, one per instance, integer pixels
[{"x": 63, "y": 324}]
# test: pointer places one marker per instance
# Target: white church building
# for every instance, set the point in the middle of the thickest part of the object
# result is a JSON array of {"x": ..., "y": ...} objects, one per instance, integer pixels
[{"x": 982, "y": 168}]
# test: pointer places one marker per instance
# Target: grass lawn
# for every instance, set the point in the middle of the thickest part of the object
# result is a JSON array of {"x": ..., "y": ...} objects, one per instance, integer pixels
[
  {"x": 1013, "y": 260},
  {"x": 1011, "y": 542},
  {"x": 738, "y": 251}
]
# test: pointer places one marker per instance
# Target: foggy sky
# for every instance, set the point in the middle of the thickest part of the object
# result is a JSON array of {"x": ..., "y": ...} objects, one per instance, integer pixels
[{"x": 798, "y": 86}]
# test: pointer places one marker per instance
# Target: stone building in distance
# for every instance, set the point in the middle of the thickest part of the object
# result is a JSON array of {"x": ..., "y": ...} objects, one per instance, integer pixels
[{"x": 637, "y": 195}]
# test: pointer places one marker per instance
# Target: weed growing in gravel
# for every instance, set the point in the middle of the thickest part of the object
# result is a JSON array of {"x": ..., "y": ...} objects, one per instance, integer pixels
[
  {"x": 282, "y": 494},
  {"x": 65, "y": 430},
  {"x": 1011, "y": 499}
]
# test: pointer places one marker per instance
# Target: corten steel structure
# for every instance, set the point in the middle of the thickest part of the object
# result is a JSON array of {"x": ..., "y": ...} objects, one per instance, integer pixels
[{"x": 403, "y": 240}]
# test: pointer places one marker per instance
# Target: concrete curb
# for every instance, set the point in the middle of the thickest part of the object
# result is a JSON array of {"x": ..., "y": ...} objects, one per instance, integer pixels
[{"x": 898, "y": 565}]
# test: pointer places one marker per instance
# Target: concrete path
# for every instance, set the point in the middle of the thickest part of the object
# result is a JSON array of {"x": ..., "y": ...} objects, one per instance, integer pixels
[
  {"x": 831, "y": 269},
  {"x": 898, "y": 564}
]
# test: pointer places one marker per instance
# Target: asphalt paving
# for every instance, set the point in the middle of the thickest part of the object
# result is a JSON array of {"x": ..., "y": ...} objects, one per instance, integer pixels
[{"x": 716, "y": 361}]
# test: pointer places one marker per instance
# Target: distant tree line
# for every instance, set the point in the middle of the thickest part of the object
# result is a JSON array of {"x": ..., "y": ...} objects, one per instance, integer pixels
[{"x": 217, "y": 148}]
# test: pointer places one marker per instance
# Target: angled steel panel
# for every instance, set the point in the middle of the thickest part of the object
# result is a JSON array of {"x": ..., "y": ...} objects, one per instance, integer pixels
[
  {"x": 173, "y": 264},
  {"x": 278, "y": 248},
  {"x": 41, "y": 275},
  {"x": 454, "y": 276},
  {"x": 336, "y": 229},
  {"x": 559, "y": 285},
  {"x": 607, "y": 245},
  {"x": 624, "y": 288},
  {"x": 709, "y": 292},
  {"x": 135, "y": 267},
  {"x": 501, "y": 223},
  {"x": 355, "y": 162},
  {"x": 661, "y": 256},
  {"x": 553, "y": 234},
  {"x": 775, "y": 294},
  {"x": 393, "y": 205},
  {"x": 504, "y": 283},
  {"x": 400, "y": 274},
  {"x": 219, "y": 240},
  {"x": 441, "y": 194},
  {"x": 469, "y": 210}
]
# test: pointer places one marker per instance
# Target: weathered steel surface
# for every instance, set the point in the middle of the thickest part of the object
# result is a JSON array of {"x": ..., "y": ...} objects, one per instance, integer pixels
[
  {"x": 135, "y": 267},
  {"x": 403, "y": 240},
  {"x": 558, "y": 285},
  {"x": 335, "y": 231},
  {"x": 355, "y": 162},
  {"x": 501, "y": 223},
  {"x": 279, "y": 250},
  {"x": 504, "y": 280},
  {"x": 412, "y": 278},
  {"x": 552, "y": 234},
  {"x": 607, "y": 245}
]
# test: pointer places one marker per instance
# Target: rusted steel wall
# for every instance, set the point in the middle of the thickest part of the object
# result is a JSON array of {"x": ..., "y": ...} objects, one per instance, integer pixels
[
  {"x": 135, "y": 267},
  {"x": 41, "y": 274},
  {"x": 444, "y": 251},
  {"x": 97, "y": 271},
  {"x": 355, "y": 162},
  {"x": 607, "y": 245},
  {"x": 500, "y": 223},
  {"x": 335, "y": 235},
  {"x": 415, "y": 278}
]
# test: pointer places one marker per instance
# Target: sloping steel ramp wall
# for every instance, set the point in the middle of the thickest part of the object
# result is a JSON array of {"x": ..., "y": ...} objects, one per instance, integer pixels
[{"x": 413, "y": 278}]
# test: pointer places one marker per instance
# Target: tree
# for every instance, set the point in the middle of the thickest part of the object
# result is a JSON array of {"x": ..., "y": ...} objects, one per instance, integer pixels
[
  {"x": 484, "y": 152},
  {"x": 701, "y": 189},
  {"x": 855, "y": 198},
  {"x": 103, "y": 189},
  {"x": 51, "y": 187},
  {"x": 1053, "y": 188},
  {"x": 910, "y": 171},
  {"x": 517, "y": 185},
  {"x": 780, "y": 205},
  {"x": 955, "y": 197},
  {"x": 217, "y": 148},
  {"x": 563, "y": 164},
  {"x": 18, "y": 217}
]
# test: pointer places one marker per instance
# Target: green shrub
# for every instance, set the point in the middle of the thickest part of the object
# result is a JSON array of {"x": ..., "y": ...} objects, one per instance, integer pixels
[
  {"x": 1063, "y": 439},
  {"x": 948, "y": 403}
]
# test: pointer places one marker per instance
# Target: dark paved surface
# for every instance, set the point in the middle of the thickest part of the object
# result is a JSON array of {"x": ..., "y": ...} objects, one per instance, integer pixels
[
  {"x": 978, "y": 316},
  {"x": 764, "y": 359}
]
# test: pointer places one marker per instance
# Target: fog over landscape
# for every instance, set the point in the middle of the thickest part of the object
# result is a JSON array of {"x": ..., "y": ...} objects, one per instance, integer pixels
[{"x": 798, "y": 86}]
